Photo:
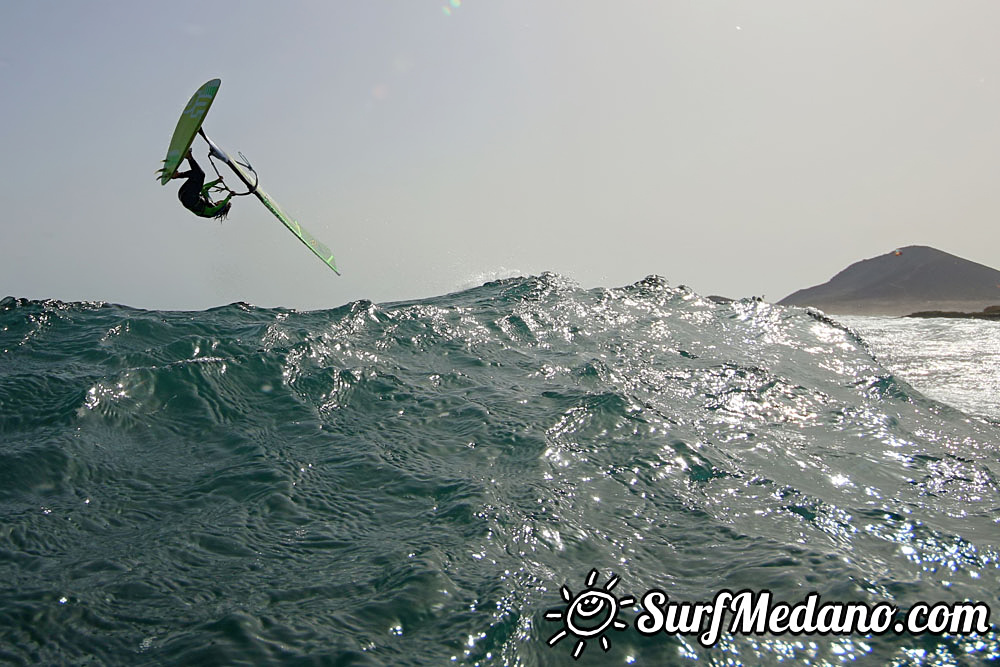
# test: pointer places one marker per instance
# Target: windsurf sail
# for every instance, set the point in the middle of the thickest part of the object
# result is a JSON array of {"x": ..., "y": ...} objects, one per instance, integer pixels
[
  {"x": 314, "y": 244},
  {"x": 190, "y": 125}
]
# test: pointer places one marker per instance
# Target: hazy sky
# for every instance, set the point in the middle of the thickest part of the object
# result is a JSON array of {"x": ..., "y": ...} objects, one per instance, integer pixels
[{"x": 741, "y": 147}]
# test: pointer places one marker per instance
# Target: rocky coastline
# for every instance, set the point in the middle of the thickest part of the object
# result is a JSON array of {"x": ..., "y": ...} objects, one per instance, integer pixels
[{"x": 988, "y": 313}]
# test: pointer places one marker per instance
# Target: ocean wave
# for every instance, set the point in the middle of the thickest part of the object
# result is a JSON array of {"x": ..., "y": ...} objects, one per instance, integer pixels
[{"x": 413, "y": 482}]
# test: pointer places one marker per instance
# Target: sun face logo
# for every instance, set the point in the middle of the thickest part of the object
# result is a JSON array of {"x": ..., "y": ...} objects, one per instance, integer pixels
[{"x": 589, "y": 613}]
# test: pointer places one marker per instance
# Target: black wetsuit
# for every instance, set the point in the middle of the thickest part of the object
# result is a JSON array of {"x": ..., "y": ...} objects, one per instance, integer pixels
[
  {"x": 193, "y": 193},
  {"x": 190, "y": 192}
]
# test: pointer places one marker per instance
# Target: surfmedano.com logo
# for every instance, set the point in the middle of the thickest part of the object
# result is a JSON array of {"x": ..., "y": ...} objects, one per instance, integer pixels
[
  {"x": 589, "y": 613},
  {"x": 593, "y": 611}
]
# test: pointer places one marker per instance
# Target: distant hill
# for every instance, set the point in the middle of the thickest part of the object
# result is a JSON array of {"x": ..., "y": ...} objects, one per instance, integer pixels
[{"x": 915, "y": 278}]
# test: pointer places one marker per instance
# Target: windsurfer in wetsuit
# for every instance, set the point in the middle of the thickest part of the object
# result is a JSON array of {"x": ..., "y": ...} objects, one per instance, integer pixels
[{"x": 194, "y": 193}]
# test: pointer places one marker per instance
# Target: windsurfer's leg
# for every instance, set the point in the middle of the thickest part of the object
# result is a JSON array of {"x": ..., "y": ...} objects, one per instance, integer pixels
[
  {"x": 190, "y": 191},
  {"x": 195, "y": 167}
]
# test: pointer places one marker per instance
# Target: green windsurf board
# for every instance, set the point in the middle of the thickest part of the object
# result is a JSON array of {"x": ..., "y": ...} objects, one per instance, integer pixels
[{"x": 187, "y": 128}]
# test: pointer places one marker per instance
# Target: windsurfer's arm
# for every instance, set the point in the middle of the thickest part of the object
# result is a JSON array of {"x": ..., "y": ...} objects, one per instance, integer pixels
[
  {"x": 208, "y": 186},
  {"x": 181, "y": 174}
]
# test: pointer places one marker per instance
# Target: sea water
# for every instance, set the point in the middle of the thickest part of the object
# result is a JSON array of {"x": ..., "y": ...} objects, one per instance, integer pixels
[
  {"x": 956, "y": 361},
  {"x": 438, "y": 481}
]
